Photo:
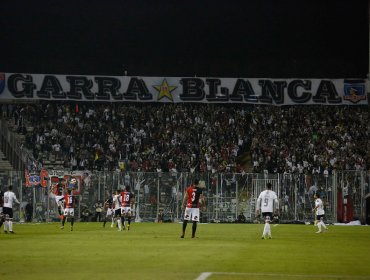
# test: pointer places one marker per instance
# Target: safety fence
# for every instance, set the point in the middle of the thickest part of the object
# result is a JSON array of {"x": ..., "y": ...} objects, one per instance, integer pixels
[{"x": 230, "y": 197}]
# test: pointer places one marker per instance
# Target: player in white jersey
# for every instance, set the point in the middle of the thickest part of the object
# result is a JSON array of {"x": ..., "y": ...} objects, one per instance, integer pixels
[
  {"x": 9, "y": 199},
  {"x": 319, "y": 213},
  {"x": 117, "y": 202},
  {"x": 267, "y": 204}
]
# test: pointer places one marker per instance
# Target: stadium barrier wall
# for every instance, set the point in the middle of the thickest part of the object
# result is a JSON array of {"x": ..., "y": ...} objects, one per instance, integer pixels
[{"x": 229, "y": 196}]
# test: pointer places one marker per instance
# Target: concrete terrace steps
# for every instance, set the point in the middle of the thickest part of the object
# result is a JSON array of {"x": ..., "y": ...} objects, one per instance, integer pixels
[{"x": 4, "y": 163}]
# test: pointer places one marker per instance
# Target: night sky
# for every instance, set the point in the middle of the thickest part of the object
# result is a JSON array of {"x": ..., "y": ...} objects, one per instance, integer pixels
[{"x": 259, "y": 38}]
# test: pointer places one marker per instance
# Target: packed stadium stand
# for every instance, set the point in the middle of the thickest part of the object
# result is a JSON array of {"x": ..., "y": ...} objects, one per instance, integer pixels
[{"x": 193, "y": 137}]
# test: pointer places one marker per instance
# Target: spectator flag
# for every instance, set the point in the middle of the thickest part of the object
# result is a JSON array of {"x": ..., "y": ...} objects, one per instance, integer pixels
[{"x": 31, "y": 180}]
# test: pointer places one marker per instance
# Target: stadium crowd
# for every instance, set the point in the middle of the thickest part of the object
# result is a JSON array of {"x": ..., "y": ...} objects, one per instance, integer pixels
[
  {"x": 315, "y": 139},
  {"x": 196, "y": 137}
]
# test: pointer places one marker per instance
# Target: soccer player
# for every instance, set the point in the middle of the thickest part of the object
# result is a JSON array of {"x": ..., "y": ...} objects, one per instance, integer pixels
[
  {"x": 266, "y": 203},
  {"x": 193, "y": 198},
  {"x": 319, "y": 213},
  {"x": 69, "y": 211},
  {"x": 127, "y": 198},
  {"x": 108, "y": 206},
  {"x": 58, "y": 201},
  {"x": 9, "y": 199},
  {"x": 117, "y": 202}
]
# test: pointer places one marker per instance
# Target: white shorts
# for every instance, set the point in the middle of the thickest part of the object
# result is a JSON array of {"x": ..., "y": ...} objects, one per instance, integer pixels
[
  {"x": 69, "y": 212},
  {"x": 125, "y": 210},
  {"x": 191, "y": 213},
  {"x": 109, "y": 212}
]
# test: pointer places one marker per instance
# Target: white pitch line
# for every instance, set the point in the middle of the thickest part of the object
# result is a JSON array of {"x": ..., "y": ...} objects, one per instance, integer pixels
[{"x": 205, "y": 275}]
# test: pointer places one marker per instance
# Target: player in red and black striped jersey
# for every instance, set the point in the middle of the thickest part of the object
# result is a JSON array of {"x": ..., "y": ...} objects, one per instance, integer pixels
[
  {"x": 127, "y": 198},
  {"x": 193, "y": 198},
  {"x": 70, "y": 201}
]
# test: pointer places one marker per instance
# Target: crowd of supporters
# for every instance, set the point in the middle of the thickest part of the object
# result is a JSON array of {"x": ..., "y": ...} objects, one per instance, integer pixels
[
  {"x": 196, "y": 137},
  {"x": 315, "y": 139}
]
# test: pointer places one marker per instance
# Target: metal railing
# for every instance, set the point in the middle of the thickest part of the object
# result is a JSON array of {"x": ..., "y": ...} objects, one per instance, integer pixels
[{"x": 228, "y": 195}]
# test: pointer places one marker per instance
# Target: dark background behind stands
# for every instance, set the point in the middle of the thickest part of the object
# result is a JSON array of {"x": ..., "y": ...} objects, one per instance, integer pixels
[{"x": 287, "y": 38}]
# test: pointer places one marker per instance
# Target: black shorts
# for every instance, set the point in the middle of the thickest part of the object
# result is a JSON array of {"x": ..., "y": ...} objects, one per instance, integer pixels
[
  {"x": 8, "y": 212},
  {"x": 117, "y": 212},
  {"x": 267, "y": 214},
  {"x": 320, "y": 217}
]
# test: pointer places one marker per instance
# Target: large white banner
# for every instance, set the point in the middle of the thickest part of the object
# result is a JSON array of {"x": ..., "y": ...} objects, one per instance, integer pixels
[{"x": 17, "y": 86}]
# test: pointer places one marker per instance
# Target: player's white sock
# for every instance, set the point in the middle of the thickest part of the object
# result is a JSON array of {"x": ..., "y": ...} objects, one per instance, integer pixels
[
  {"x": 10, "y": 226},
  {"x": 319, "y": 226},
  {"x": 119, "y": 224},
  {"x": 266, "y": 229},
  {"x": 6, "y": 225},
  {"x": 323, "y": 225}
]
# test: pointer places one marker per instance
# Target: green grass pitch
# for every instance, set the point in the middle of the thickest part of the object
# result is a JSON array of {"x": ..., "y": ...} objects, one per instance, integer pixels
[{"x": 156, "y": 251}]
